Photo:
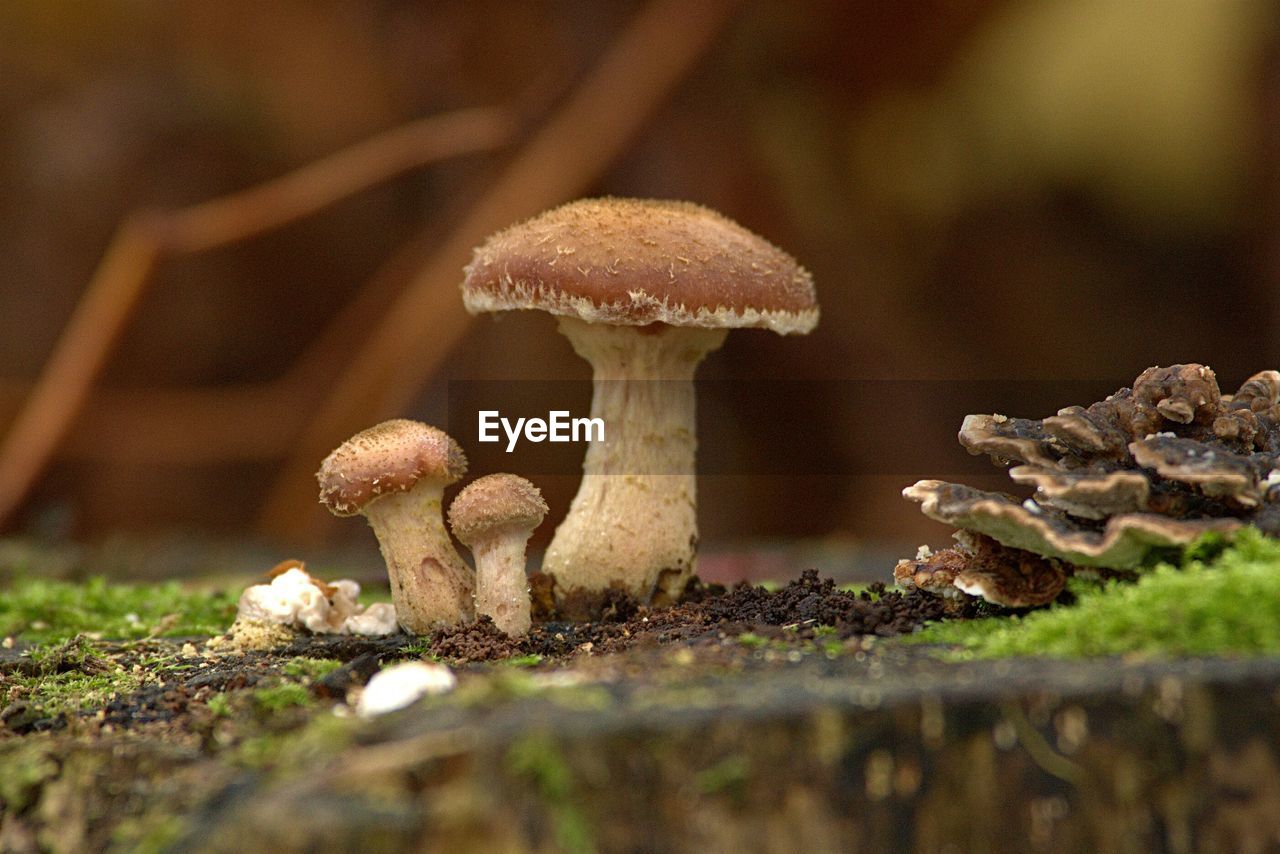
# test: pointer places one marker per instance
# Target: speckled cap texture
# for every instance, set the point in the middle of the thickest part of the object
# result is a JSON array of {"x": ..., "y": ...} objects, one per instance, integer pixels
[
  {"x": 632, "y": 262},
  {"x": 493, "y": 502},
  {"x": 389, "y": 457}
]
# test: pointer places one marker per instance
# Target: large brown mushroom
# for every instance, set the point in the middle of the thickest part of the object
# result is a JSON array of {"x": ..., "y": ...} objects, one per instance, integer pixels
[
  {"x": 394, "y": 474},
  {"x": 644, "y": 290}
]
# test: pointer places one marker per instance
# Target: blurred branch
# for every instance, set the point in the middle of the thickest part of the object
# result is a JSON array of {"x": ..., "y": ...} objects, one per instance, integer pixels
[
  {"x": 320, "y": 184},
  {"x": 126, "y": 269},
  {"x": 251, "y": 421},
  {"x": 570, "y": 152}
]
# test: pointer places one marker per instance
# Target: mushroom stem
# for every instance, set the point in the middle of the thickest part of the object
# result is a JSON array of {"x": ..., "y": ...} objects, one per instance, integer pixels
[
  {"x": 502, "y": 587},
  {"x": 633, "y": 522},
  {"x": 430, "y": 585}
]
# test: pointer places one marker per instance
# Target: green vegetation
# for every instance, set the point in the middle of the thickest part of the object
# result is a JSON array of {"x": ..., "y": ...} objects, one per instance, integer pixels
[
  {"x": 277, "y": 698},
  {"x": 220, "y": 705},
  {"x": 321, "y": 736},
  {"x": 69, "y": 677},
  {"x": 537, "y": 759},
  {"x": 728, "y": 775},
  {"x": 42, "y": 610},
  {"x": 310, "y": 668},
  {"x": 73, "y": 691},
  {"x": 1224, "y": 599}
]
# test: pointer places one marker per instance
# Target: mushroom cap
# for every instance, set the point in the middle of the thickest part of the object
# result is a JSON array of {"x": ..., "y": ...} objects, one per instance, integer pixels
[
  {"x": 496, "y": 502},
  {"x": 1014, "y": 578},
  {"x": 632, "y": 262},
  {"x": 1122, "y": 543},
  {"x": 389, "y": 457}
]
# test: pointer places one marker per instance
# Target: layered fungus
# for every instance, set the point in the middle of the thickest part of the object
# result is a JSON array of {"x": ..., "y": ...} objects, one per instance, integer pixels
[{"x": 1150, "y": 468}]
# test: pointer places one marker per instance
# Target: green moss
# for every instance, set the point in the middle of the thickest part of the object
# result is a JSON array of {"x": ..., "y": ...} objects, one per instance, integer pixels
[
  {"x": 70, "y": 677},
  {"x": 536, "y": 758},
  {"x": 72, "y": 692},
  {"x": 1222, "y": 600},
  {"x": 277, "y": 698},
  {"x": 220, "y": 705},
  {"x": 154, "y": 831},
  {"x": 531, "y": 660},
  {"x": 420, "y": 648},
  {"x": 42, "y": 610},
  {"x": 322, "y": 736},
  {"x": 751, "y": 640},
  {"x": 729, "y": 774},
  {"x": 27, "y": 767},
  {"x": 310, "y": 668}
]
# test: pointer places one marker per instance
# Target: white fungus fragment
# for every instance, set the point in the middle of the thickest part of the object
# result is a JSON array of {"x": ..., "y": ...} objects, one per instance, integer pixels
[
  {"x": 294, "y": 598},
  {"x": 378, "y": 619},
  {"x": 402, "y": 684}
]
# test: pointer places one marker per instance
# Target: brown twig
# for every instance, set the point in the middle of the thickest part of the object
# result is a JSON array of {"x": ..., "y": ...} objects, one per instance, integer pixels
[
  {"x": 126, "y": 269},
  {"x": 249, "y": 421},
  {"x": 561, "y": 161}
]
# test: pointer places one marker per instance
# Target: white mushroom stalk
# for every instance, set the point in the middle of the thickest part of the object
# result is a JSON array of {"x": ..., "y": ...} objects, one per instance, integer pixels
[
  {"x": 430, "y": 584},
  {"x": 394, "y": 474},
  {"x": 494, "y": 517},
  {"x": 634, "y": 520}
]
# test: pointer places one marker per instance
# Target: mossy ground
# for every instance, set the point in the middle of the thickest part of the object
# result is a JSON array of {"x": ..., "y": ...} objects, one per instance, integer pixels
[
  {"x": 1220, "y": 600},
  {"x": 101, "y": 681}
]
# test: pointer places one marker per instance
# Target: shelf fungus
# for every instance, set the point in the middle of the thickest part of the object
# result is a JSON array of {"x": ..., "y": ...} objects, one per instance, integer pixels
[{"x": 1152, "y": 467}]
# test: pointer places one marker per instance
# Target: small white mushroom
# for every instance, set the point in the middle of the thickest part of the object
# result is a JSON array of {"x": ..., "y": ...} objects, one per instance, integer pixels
[
  {"x": 395, "y": 474},
  {"x": 494, "y": 516}
]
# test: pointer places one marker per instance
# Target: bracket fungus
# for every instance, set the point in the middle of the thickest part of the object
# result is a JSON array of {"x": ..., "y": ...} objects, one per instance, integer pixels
[
  {"x": 1151, "y": 467},
  {"x": 394, "y": 474},
  {"x": 643, "y": 290},
  {"x": 494, "y": 516}
]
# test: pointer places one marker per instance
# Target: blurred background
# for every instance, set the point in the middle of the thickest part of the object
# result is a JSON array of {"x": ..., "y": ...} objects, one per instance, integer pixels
[{"x": 1015, "y": 200}]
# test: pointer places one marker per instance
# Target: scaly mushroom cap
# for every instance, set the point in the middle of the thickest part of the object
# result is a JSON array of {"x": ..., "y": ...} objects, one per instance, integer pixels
[
  {"x": 632, "y": 262},
  {"x": 390, "y": 457},
  {"x": 496, "y": 502}
]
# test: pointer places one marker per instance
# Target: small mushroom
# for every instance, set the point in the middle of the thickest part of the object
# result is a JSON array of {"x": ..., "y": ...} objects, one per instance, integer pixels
[
  {"x": 394, "y": 474},
  {"x": 644, "y": 290},
  {"x": 494, "y": 516}
]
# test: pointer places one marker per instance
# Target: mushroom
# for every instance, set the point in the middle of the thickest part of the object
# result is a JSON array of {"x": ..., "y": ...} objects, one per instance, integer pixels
[
  {"x": 1014, "y": 578},
  {"x": 644, "y": 290},
  {"x": 1148, "y": 468},
  {"x": 494, "y": 516},
  {"x": 394, "y": 474}
]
